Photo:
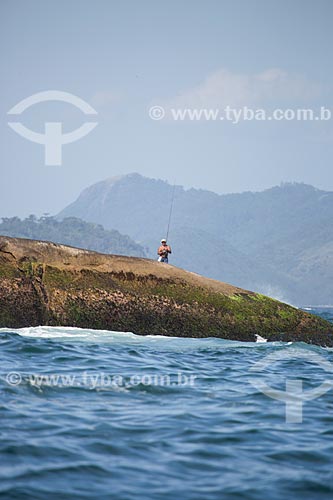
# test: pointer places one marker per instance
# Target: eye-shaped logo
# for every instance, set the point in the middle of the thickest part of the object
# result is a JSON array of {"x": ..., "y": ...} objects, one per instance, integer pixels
[
  {"x": 53, "y": 139},
  {"x": 293, "y": 396}
]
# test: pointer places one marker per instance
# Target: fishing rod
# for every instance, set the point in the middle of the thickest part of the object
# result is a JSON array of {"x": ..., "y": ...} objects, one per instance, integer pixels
[{"x": 171, "y": 207}]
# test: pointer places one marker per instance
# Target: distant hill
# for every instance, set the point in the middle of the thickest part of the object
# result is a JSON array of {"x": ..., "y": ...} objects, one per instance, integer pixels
[
  {"x": 278, "y": 241},
  {"x": 72, "y": 231}
]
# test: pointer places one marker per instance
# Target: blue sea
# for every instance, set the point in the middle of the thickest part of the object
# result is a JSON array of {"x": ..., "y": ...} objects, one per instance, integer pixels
[{"x": 103, "y": 415}]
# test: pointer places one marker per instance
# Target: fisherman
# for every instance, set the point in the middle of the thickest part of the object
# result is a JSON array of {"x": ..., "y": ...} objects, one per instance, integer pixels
[{"x": 163, "y": 251}]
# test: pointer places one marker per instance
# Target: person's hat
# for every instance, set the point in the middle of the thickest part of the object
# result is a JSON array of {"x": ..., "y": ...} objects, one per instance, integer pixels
[{"x": 163, "y": 240}]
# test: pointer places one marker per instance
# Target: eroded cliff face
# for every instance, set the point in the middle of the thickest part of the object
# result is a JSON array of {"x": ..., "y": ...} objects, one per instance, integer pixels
[{"x": 50, "y": 284}]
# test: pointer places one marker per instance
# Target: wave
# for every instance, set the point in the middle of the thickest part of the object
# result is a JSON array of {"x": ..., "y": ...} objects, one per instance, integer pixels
[
  {"x": 62, "y": 331},
  {"x": 309, "y": 307},
  {"x": 75, "y": 334}
]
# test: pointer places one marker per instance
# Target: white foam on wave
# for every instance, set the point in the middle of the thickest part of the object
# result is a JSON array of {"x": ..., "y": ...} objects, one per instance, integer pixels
[
  {"x": 74, "y": 334},
  {"x": 64, "y": 332},
  {"x": 260, "y": 338}
]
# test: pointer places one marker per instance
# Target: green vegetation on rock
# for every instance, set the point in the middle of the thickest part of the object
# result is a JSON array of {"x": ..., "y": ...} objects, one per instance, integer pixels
[{"x": 45, "y": 283}]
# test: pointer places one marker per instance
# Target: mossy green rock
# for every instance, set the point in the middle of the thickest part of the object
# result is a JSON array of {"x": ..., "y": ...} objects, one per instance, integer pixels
[{"x": 51, "y": 284}]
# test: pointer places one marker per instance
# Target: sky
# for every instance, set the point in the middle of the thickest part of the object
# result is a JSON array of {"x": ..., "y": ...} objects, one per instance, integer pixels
[{"x": 125, "y": 57}]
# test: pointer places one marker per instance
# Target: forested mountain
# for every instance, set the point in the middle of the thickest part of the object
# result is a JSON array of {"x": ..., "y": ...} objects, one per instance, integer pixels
[
  {"x": 71, "y": 231},
  {"x": 278, "y": 241}
]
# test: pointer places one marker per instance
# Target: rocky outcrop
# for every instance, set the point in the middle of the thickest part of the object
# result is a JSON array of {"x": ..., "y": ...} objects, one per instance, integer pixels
[{"x": 51, "y": 284}]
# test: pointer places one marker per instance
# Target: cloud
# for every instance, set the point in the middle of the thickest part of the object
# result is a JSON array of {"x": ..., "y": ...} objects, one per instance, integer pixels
[{"x": 270, "y": 87}]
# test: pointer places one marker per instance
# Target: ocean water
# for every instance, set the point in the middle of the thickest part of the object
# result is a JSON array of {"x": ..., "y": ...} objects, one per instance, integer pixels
[{"x": 104, "y": 415}]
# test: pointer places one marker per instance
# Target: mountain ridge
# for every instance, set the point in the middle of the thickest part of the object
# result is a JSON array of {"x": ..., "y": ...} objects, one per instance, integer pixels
[
  {"x": 71, "y": 231},
  {"x": 277, "y": 236}
]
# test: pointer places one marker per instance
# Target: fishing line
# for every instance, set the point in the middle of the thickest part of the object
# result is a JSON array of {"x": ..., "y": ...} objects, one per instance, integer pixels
[{"x": 171, "y": 207}]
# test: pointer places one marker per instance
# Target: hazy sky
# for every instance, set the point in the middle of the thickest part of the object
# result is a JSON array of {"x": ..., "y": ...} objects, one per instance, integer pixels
[{"x": 124, "y": 56}]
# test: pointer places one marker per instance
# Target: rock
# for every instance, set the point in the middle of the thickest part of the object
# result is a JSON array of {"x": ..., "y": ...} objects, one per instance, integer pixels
[{"x": 51, "y": 284}]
